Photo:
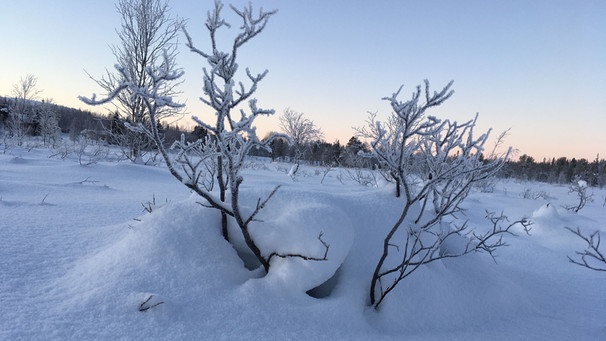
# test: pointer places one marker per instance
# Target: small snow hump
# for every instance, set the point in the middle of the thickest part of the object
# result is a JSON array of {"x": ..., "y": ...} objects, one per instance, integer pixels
[{"x": 546, "y": 211}]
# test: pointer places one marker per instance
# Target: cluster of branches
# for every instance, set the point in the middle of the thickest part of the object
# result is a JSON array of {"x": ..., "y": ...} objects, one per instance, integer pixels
[
  {"x": 148, "y": 36},
  {"x": 592, "y": 257},
  {"x": 579, "y": 188},
  {"x": 303, "y": 134},
  {"x": 434, "y": 164},
  {"x": 210, "y": 166}
]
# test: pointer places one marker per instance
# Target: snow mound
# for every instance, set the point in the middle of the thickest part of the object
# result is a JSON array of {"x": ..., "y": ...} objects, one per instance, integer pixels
[
  {"x": 453, "y": 292},
  {"x": 172, "y": 253},
  {"x": 18, "y": 160},
  {"x": 307, "y": 227},
  {"x": 547, "y": 211}
]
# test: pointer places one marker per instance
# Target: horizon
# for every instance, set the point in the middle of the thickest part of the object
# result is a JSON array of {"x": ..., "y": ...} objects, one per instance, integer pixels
[{"x": 515, "y": 63}]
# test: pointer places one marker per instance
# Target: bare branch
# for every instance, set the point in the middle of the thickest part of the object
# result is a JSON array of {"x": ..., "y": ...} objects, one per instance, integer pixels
[
  {"x": 579, "y": 187},
  {"x": 302, "y": 256},
  {"x": 591, "y": 258},
  {"x": 427, "y": 243}
]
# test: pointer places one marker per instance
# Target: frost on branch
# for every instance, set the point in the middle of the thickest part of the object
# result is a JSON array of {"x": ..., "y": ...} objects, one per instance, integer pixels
[
  {"x": 434, "y": 164},
  {"x": 230, "y": 136},
  {"x": 211, "y": 165},
  {"x": 300, "y": 132},
  {"x": 147, "y": 37}
]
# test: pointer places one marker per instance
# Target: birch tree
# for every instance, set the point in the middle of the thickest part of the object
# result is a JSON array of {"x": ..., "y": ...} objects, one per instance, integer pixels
[
  {"x": 434, "y": 164},
  {"x": 47, "y": 121},
  {"x": 148, "y": 36},
  {"x": 301, "y": 130},
  {"x": 22, "y": 109}
]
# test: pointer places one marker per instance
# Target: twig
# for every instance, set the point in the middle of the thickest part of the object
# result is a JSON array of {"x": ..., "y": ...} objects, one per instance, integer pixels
[
  {"x": 591, "y": 253},
  {"x": 298, "y": 255},
  {"x": 143, "y": 306}
]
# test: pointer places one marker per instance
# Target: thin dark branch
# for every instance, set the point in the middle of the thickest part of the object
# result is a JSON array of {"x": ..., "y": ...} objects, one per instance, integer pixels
[
  {"x": 591, "y": 258},
  {"x": 302, "y": 256}
]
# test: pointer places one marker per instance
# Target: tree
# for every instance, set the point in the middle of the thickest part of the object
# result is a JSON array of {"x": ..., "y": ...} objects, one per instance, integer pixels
[
  {"x": 278, "y": 145},
  {"x": 434, "y": 164},
  {"x": 301, "y": 130},
  {"x": 21, "y": 109},
  {"x": 351, "y": 157},
  {"x": 219, "y": 157},
  {"x": 3, "y": 111},
  {"x": 47, "y": 120},
  {"x": 148, "y": 36}
]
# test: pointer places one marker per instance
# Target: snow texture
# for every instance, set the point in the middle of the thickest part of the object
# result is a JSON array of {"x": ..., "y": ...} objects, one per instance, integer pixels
[{"x": 80, "y": 257}]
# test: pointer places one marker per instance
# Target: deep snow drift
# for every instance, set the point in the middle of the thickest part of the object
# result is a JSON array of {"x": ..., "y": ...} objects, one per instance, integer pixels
[{"x": 80, "y": 255}]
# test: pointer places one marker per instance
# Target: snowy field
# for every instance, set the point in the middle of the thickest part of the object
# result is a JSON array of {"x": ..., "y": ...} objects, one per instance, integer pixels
[{"x": 79, "y": 256}]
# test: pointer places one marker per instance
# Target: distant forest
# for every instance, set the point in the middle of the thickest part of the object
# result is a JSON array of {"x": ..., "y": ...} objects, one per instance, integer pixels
[
  {"x": 77, "y": 123},
  {"x": 83, "y": 124},
  {"x": 557, "y": 171}
]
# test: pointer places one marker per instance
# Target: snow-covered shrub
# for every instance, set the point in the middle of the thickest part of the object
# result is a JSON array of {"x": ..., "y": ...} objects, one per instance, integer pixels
[
  {"x": 534, "y": 195},
  {"x": 362, "y": 176},
  {"x": 434, "y": 164},
  {"x": 486, "y": 186},
  {"x": 579, "y": 187},
  {"x": 218, "y": 158}
]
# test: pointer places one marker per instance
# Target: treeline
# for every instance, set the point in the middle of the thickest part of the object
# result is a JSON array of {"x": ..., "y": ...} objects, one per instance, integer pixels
[
  {"x": 18, "y": 116},
  {"x": 557, "y": 171},
  {"x": 46, "y": 119},
  {"x": 319, "y": 153},
  {"x": 68, "y": 120}
]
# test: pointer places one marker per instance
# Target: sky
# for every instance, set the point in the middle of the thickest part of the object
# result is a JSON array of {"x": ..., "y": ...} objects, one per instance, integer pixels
[{"x": 536, "y": 67}]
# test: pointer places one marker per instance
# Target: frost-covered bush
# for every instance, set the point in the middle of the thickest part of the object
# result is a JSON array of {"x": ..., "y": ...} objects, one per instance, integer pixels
[
  {"x": 534, "y": 195},
  {"x": 211, "y": 166},
  {"x": 434, "y": 164},
  {"x": 579, "y": 187}
]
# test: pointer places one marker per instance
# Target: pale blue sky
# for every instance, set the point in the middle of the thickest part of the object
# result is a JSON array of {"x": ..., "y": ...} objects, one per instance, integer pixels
[{"x": 537, "y": 66}]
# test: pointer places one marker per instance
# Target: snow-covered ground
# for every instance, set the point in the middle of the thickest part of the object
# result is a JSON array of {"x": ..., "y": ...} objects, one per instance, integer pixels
[{"x": 79, "y": 255}]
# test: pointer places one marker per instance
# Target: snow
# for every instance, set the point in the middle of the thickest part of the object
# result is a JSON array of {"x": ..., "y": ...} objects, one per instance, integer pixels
[{"x": 79, "y": 255}]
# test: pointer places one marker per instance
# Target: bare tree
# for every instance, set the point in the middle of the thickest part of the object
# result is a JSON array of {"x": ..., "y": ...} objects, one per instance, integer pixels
[
  {"x": 21, "y": 109},
  {"x": 220, "y": 155},
  {"x": 592, "y": 257},
  {"x": 148, "y": 36},
  {"x": 301, "y": 130},
  {"x": 434, "y": 164}
]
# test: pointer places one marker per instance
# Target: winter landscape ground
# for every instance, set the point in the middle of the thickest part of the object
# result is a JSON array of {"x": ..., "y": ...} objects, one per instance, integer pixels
[{"x": 80, "y": 256}]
